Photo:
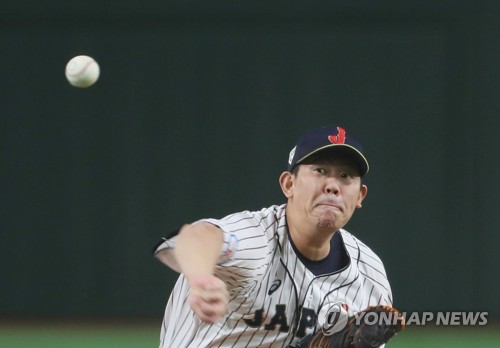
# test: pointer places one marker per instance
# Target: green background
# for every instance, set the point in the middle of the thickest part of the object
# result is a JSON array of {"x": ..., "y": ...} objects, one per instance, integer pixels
[
  {"x": 128, "y": 335},
  {"x": 195, "y": 112}
]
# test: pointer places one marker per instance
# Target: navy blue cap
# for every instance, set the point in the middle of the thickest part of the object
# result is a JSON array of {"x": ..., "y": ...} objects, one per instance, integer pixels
[{"x": 325, "y": 138}]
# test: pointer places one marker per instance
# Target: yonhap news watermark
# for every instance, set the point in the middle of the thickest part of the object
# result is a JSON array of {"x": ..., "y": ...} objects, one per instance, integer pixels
[
  {"x": 335, "y": 318},
  {"x": 424, "y": 318}
]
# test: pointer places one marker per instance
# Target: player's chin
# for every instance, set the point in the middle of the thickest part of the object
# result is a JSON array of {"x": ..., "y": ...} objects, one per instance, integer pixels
[
  {"x": 326, "y": 216},
  {"x": 331, "y": 222},
  {"x": 328, "y": 224}
]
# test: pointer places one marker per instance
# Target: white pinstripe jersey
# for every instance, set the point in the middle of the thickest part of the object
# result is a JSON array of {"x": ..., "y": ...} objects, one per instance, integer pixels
[{"x": 274, "y": 298}]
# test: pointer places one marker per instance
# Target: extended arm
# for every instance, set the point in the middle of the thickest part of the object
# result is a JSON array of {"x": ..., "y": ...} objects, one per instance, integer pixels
[{"x": 197, "y": 249}]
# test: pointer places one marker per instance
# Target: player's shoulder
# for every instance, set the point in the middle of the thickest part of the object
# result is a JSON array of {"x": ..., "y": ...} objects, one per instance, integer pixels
[
  {"x": 369, "y": 265},
  {"x": 264, "y": 212},
  {"x": 264, "y": 218},
  {"x": 362, "y": 254}
]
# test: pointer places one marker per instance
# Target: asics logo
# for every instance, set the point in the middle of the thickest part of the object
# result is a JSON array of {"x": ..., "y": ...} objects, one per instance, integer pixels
[{"x": 274, "y": 286}]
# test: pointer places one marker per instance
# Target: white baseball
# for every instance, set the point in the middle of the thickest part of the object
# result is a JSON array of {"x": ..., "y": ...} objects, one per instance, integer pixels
[{"x": 82, "y": 71}]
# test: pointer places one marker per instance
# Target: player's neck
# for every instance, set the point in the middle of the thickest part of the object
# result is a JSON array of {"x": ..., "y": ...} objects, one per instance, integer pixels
[{"x": 311, "y": 244}]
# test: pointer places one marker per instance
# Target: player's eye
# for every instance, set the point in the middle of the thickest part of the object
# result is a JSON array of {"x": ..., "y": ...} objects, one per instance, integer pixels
[
  {"x": 347, "y": 174},
  {"x": 320, "y": 170}
]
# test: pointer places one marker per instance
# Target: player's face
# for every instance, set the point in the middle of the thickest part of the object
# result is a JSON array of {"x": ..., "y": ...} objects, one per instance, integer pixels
[{"x": 325, "y": 192}]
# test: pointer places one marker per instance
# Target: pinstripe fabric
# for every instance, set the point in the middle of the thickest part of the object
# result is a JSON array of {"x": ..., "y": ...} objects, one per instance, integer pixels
[{"x": 275, "y": 299}]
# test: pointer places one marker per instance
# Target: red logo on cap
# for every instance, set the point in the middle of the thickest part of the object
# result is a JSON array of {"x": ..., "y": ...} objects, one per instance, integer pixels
[{"x": 339, "y": 138}]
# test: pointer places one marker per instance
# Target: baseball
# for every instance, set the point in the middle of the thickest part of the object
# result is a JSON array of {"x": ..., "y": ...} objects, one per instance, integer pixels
[{"x": 82, "y": 71}]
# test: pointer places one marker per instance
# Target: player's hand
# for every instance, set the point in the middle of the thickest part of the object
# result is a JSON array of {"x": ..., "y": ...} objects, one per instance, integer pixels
[{"x": 208, "y": 297}]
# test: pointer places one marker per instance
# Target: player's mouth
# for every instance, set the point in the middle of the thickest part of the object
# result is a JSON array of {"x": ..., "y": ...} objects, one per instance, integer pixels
[{"x": 330, "y": 204}]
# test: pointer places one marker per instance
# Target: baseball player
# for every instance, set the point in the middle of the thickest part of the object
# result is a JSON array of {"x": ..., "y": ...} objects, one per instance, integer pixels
[{"x": 275, "y": 277}]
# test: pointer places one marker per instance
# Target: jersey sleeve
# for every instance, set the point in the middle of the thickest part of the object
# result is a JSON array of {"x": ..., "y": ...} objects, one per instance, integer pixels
[
  {"x": 245, "y": 248},
  {"x": 163, "y": 250}
]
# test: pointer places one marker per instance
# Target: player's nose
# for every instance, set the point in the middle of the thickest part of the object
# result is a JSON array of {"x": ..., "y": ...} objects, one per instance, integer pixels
[{"x": 332, "y": 186}]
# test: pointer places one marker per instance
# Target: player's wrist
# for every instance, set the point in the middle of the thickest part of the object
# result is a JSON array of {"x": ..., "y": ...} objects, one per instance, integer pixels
[{"x": 198, "y": 279}]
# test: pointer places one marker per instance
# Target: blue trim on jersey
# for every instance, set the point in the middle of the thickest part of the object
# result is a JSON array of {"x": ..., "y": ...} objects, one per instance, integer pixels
[{"x": 336, "y": 260}]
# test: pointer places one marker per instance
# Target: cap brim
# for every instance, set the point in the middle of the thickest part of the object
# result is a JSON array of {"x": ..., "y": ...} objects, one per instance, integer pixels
[{"x": 356, "y": 155}]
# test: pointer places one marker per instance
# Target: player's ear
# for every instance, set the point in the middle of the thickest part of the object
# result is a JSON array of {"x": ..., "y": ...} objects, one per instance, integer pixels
[
  {"x": 286, "y": 183},
  {"x": 362, "y": 194}
]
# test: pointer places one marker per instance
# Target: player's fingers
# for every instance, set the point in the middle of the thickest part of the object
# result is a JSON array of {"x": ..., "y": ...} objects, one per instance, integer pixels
[
  {"x": 215, "y": 296},
  {"x": 214, "y": 302},
  {"x": 208, "y": 297},
  {"x": 209, "y": 306},
  {"x": 216, "y": 308},
  {"x": 209, "y": 312},
  {"x": 211, "y": 294}
]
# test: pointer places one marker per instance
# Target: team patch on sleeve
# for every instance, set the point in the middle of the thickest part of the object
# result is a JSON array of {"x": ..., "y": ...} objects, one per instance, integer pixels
[{"x": 230, "y": 248}]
